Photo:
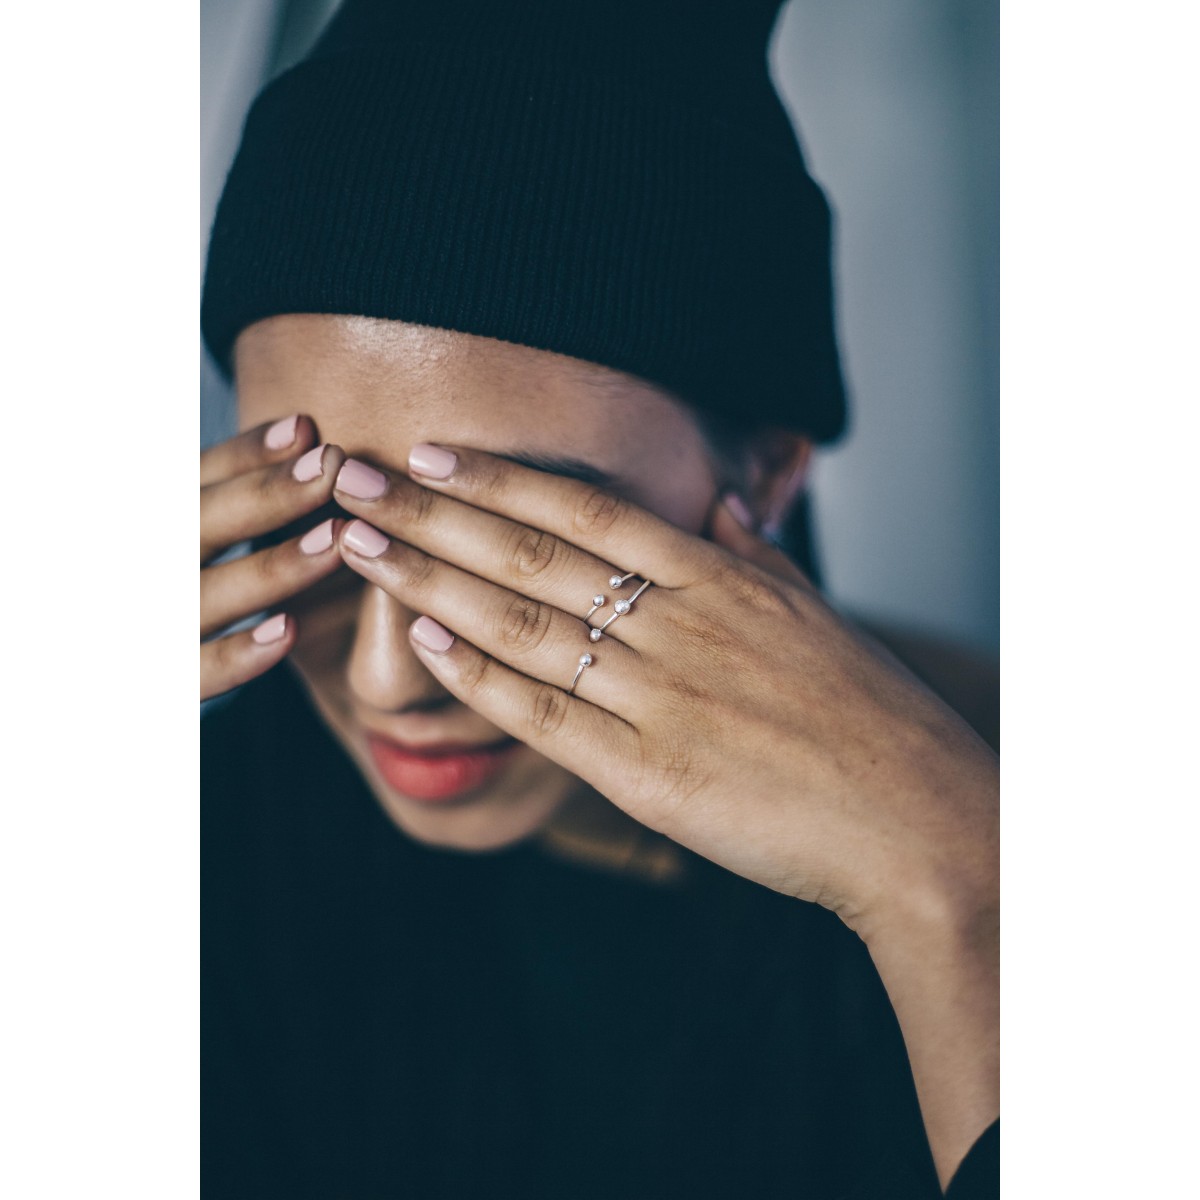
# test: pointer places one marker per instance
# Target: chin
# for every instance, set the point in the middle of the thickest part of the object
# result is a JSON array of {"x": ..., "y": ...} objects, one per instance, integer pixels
[
  {"x": 521, "y": 797},
  {"x": 472, "y": 826}
]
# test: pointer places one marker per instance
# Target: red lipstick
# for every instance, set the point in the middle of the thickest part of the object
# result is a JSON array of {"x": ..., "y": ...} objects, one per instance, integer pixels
[{"x": 434, "y": 774}]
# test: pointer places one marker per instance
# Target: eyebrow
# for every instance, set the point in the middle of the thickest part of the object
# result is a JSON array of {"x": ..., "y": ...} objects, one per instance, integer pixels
[{"x": 571, "y": 468}]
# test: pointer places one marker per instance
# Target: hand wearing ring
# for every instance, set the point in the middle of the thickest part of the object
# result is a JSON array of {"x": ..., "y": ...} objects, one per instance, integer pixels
[{"x": 735, "y": 710}]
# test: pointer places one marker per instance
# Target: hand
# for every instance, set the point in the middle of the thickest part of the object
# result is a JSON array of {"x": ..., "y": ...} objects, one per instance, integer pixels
[
  {"x": 251, "y": 485},
  {"x": 731, "y": 708}
]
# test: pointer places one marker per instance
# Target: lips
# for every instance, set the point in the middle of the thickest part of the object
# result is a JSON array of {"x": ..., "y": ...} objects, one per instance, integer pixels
[{"x": 435, "y": 774}]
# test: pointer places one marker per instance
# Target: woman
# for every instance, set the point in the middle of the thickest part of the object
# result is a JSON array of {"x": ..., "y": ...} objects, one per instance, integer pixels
[{"x": 595, "y": 854}]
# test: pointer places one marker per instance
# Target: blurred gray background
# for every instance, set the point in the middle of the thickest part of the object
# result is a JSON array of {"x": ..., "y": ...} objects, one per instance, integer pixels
[{"x": 897, "y": 106}]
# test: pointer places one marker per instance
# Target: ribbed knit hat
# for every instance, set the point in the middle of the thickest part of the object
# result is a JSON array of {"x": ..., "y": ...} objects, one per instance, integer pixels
[{"x": 614, "y": 181}]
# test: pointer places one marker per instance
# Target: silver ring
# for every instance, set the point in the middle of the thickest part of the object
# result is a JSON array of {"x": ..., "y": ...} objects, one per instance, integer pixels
[
  {"x": 599, "y": 600},
  {"x": 585, "y": 661},
  {"x": 620, "y": 609}
]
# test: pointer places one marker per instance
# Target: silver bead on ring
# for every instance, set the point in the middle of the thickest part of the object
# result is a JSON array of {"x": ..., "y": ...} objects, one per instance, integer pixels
[
  {"x": 619, "y": 610},
  {"x": 585, "y": 661}
]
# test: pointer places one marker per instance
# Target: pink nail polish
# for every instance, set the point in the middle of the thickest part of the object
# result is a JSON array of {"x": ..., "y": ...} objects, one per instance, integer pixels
[
  {"x": 433, "y": 461},
  {"x": 431, "y": 635},
  {"x": 364, "y": 539},
  {"x": 360, "y": 481},
  {"x": 319, "y": 538},
  {"x": 271, "y": 630},
  {"x": 281, "y": 434},
  {"x": 309, "y": 466},
  {"x": 741, "y": 514}
]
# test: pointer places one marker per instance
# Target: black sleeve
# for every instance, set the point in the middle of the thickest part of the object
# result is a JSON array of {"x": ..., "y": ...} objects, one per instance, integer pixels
[{"x": 978, "y": 1175}]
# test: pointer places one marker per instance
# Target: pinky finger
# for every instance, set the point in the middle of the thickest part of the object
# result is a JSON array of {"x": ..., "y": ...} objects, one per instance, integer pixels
[
  {"x": 236, "y": 659},
  {"x": 584, "y": 738}
]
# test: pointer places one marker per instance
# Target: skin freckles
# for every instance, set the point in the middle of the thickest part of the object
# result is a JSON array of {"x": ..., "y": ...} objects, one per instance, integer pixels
[{"x": 375, "y": 388}]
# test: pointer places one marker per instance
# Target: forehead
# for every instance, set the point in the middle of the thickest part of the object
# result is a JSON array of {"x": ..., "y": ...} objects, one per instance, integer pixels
[{"x": 376, "y": 387}]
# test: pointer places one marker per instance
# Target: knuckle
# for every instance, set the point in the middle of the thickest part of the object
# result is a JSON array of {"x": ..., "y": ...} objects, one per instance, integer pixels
[
  {"x": 490, "y": 481},
  {"x": 548, "y": 709},
  {"x": 264, "y": 566},
  {"x": 533, "y": 553},
  {"x": 475, "y": 672},
  {"x": 752, "y": 589},
  {"x": 597, "y": 512},
  {"x": 225, "y": 655},
  {"x": 268, "y": 483},
  {"x": 672, "y": 774},
  {"x": 414, "y": 571},
  {"x": 523, "y": 624},
  {"x": 418, "y": 504}
]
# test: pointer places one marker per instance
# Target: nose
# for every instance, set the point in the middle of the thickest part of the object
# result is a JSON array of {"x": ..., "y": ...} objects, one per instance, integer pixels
[{"x": 382, "y": 671}]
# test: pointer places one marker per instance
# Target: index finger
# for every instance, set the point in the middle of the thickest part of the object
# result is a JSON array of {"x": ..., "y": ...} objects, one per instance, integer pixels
[
  {"x": 262, "y": 446},
  {"x": 612, "y": 528}
]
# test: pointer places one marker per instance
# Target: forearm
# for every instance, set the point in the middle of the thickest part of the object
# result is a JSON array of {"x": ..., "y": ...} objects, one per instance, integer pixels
[{"x": 941, "y": 971}]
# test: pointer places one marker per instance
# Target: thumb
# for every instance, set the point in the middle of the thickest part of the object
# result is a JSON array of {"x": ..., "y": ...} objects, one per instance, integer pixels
[{"x": 733, "y": 528}]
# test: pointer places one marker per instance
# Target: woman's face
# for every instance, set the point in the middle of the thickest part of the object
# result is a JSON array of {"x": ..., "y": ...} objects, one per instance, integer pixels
[{"x": 376, "y": 388}]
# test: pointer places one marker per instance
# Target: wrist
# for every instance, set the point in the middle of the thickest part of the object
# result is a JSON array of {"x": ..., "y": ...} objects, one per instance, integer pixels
[
  {"x": 939, "y": 960},
  {"x": 956, "y": 915},
  {"x": 938, "y": 879}
]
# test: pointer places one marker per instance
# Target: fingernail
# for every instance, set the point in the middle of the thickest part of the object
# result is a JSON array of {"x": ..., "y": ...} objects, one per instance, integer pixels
[
  {"x": 281, "y": 434},
  {"x": 271, "y": 630},
  {"x": 360, "y": 481},
  {"x": 318, "y": 538},
  {"x": 431, "y": 635},
  {"x": 364, "y": 539},
  {"x": 432, "y": 461},
  {"x": 737, "y": 506},
  {"x": 308, "y": 467}
]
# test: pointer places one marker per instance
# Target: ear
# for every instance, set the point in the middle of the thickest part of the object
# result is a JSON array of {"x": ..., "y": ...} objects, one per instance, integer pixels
[{"x": 777, "y": 468}]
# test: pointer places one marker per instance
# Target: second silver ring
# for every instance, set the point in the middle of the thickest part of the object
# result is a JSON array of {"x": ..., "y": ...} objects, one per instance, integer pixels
[{"x": 621, "y": 607}]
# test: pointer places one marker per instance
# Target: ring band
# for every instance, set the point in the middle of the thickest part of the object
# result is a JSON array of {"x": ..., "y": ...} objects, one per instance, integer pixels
[
  {"x": 598, "y": 601},
  {"x": 585, "y": 661},
  {"x": 621, "y": 607}
]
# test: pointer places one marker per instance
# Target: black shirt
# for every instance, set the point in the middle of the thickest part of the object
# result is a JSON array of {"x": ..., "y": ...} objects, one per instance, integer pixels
[{"x": 383, "y": 1019}]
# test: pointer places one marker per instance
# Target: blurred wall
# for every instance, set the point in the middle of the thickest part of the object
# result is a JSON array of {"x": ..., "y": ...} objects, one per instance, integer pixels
[
  {"x": 243, "y": 43},
  {"x": 898, "y": 110},
  {"x": 897, "y": 105}
]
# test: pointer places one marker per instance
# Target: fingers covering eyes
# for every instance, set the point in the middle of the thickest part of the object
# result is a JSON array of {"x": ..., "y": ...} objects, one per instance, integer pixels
[
  {"x": 584, "y": 737},
  {"x": 525, "y": 559},
  {"x": 588, "y": 517},
  {"x": 231, "y": 661},
  {"x": 257, "y": 502},
  {"x": 233, "y": 590},
  {"x": 272, "y": 442},
  {"x": 533, "y": 637}
]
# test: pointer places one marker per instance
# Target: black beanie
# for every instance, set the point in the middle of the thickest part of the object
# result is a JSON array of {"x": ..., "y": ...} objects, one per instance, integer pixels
[{"x": 613, "y": 181}]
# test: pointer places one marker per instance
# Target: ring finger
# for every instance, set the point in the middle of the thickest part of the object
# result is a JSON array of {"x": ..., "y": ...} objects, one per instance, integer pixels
[
  {"x": 528, "y": 561},
  {"x": 535, "y": 638},
  {"x": 265, "y": 578}
]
